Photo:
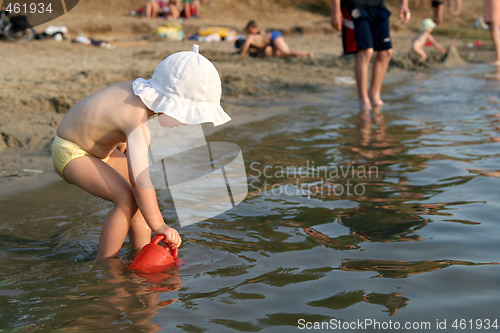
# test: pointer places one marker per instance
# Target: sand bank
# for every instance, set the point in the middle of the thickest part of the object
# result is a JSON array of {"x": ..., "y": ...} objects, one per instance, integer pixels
[{"x": 41, "y": 80}]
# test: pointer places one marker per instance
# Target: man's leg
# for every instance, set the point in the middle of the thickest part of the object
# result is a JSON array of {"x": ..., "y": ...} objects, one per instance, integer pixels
[
  {"x": 495, "y": 35},
  {"x": 361, "y": 71},
  {"x": 379, "y": 69},
  {"x": 438, "y": 13}
]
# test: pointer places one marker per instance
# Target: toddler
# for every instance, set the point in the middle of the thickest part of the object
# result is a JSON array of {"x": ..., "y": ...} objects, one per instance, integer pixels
[
  {"x": 94, "y": 147},
  {"x": 424, "y": 37}
]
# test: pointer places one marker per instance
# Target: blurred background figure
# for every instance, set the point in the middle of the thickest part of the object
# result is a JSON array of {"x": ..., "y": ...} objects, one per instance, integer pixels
[
  {"x": 438, "y": 9},
  {"x": 191, "y": 8},
  {"x": 424, "y": 37},
  {"x": 157, "y": 8},
  {"x": 417, "y": 3},
  {"x": 455, "y": 10},
  {"x": 491, "y": 15}
]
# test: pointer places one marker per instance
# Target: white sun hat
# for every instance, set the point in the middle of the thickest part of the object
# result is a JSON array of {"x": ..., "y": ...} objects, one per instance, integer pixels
[
  {"x": 185, "y": 86},
  {"x": 427, "y": 24}
]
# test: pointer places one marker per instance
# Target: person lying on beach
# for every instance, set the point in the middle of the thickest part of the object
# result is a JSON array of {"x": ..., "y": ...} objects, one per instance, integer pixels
[
  {"x": 425, "y": 37},
  {"x": 269, "y": 43},
  {"x": 185, "y": 89}
]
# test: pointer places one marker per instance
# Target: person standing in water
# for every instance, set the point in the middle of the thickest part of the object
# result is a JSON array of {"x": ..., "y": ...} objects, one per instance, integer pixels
[{"x": 365, "y": 30}]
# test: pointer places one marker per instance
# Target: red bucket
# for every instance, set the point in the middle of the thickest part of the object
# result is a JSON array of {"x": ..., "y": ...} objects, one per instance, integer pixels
[{"x": 154, "y": 257}]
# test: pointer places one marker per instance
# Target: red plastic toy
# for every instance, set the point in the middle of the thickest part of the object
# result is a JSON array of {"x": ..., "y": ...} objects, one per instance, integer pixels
[{"x": 154, "y": 257}]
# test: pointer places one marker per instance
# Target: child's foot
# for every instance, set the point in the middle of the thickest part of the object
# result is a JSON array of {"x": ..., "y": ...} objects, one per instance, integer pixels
[
  {"x": 495, "y": 63},
  {"x": 311, "y": 55}
]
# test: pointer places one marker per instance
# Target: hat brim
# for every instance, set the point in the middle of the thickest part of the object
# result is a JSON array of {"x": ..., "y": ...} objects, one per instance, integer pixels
[{"x": 173, "y": 106}]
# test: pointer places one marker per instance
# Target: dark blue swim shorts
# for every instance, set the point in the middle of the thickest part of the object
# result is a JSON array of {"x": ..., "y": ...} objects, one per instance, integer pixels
[
  {"x": 366, "y": 28},
  {"x": 275, "y": 34}
]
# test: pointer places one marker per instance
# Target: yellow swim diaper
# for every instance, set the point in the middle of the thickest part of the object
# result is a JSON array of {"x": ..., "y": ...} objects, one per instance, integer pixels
[{"x": 63, "y": 151}]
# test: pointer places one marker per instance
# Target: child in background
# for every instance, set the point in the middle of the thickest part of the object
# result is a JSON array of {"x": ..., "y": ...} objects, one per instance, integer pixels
[
  {"x": 424, "y": 37},
  {"x": 185, "y": 89},
  {"x": 167, "y": 9}
]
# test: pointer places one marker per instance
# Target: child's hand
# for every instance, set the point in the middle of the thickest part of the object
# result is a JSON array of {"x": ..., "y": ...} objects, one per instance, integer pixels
[{"x": 172, "y": 237}]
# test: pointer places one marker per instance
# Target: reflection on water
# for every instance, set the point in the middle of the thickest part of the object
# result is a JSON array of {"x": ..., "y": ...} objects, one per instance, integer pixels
[
  {"x": 393, "y": 301},
  {"x": 400, "y": 269},
  {"x": 407, "y": 194}
]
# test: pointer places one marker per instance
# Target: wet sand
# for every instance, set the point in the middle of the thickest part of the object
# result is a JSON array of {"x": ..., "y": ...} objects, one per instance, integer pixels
[{"x": 41, "y": 80}]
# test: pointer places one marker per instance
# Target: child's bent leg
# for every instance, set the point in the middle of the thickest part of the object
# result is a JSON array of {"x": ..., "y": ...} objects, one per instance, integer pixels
[
  {"x": 422, "y": 55},
  {"x": 380, "y": 65},
  {"x": 139, "y": 232},
  {"x": 100, "y": 179}
]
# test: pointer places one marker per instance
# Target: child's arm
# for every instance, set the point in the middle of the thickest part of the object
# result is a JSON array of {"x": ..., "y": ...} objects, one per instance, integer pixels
[
  {"x": 144, "y": 192},
  {"x": 148, "y": 205},
  {"x": 437, "y": 45}
]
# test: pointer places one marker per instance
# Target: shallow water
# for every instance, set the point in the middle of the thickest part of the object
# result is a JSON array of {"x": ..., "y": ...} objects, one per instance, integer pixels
[{"x": 390, "y": 217}]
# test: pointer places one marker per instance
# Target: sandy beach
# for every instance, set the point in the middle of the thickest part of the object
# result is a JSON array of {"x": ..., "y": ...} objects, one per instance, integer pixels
[{"x": 42, "y": 79}]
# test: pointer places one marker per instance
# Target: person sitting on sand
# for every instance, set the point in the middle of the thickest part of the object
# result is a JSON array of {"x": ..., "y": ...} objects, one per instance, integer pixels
[
  {"x": 167, "y": 9},
  {"x": 191, "y": 8},
  {"x": 425, "y": 37},
  {"x": 270, "y": 43},
  {"x": 185, "y": 89}
]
